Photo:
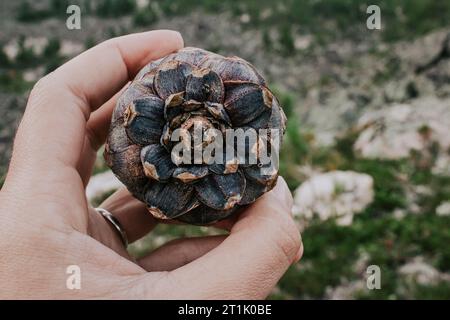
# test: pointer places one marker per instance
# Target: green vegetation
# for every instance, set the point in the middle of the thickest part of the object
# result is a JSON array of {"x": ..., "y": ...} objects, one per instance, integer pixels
[
  {"x": 286, "y": 40},
  {"x": 401, "y": 19},
  {"x": 25, "y": 57},
  {"x": 4, "y": 60},
  {"x": 89, "y": 43},
  {"x": 11, "y": 72},
  {"x": 145, "y": 17},
  {"x": 332, "y": 250},
  {"x": 28, "y": 12},
  {"x": 389, "y": 72},
  {"x": 266, "y": 39},
  {"x": 115, "y": 8},
  {"x": 11, "y": 81},
  {"x": 51, "y": 57},
  {"x": 169, "y": 232}
]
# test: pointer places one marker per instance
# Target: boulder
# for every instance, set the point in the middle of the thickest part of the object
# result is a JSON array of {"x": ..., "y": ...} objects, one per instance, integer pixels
[
  {"x": 393, "y": 132},
  {"x": 335, "y": 194}
]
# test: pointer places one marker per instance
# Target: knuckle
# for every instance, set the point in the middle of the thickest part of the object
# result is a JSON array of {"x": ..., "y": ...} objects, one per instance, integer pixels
[
  {"x": 42, "y": 94},
  {"x": 40, "y": 90},
  {"x": 42, "y": 84}
]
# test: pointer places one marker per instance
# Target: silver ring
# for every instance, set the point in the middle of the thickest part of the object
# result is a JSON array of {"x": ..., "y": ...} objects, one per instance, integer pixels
[{"x": 115, "y": 223}]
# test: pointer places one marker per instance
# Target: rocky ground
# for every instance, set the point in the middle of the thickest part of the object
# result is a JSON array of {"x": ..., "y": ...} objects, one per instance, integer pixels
[{"x": 367, "y": 151}]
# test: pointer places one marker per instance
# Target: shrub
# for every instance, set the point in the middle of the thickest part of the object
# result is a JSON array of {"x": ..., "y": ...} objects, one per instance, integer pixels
[
  {"x": 25, "y": 56},
  {"x": 145, "y": 17},
  {"x": 27, "y": 13},
  {"x": 115, "y": 8},
  {"x": 12, "y": 81},
  {"x": 267, "y": 40},
  {"x": 52, "y": 48},
  {"x": 4, "y": 60}
]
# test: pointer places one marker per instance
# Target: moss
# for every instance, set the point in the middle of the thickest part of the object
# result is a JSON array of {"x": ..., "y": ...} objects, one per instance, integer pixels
[{"x": 331, "y": 251}]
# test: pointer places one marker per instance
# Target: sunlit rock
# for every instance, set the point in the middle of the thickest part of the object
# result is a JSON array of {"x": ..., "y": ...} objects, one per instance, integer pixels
[
  {"x": 420, "y": 272},
  {"x": 335, "y": 194},
  {"x": 443, "y": 209}
]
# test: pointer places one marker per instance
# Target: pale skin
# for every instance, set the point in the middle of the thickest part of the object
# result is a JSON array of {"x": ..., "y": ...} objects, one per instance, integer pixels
[{"x": 46, "y": 224}]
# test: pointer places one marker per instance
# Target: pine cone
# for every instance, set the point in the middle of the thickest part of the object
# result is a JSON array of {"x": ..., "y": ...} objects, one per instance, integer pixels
[{"x": 188, "y": 90}]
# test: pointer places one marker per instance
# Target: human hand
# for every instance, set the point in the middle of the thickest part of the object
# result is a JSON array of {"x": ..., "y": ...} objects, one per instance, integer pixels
[{"x": 46, "y": 223}]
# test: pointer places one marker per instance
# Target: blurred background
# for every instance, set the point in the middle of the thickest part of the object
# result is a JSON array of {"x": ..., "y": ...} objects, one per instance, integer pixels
[{"x": 367, "y": 148}]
